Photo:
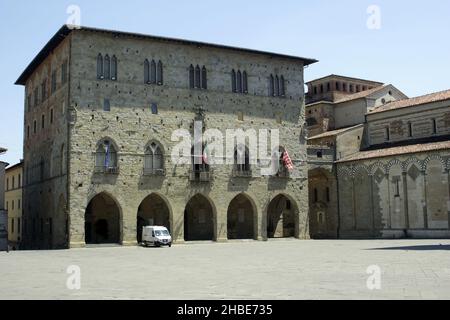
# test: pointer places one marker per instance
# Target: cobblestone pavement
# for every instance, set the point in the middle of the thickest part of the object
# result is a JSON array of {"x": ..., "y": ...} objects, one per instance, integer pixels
[{"x": 280, "y": 269}]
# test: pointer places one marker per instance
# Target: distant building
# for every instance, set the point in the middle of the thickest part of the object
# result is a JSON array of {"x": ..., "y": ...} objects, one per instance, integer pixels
[
  {"x": 3, "y": 212},
  {"x": 13, "y": 203},
  {"x": 379, "y": 163}
]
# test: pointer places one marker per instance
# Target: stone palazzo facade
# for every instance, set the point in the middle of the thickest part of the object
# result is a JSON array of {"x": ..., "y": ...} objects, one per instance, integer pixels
[{"x": 100, "y": 109}]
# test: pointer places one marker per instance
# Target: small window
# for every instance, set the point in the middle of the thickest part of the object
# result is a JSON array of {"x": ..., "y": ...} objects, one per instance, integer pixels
[
  {"x": 34, "y": 126},
  {"x": 204, "y": 79},
  {"x": 271, "y": 86},
  {"x": 159, "y": 77},
  {"x": 328, "y": 86},
  {"x": 53, "y": 81},
  {"x": 191, "y": 77},
  {"x": 28, "y": 131},
  {"x": 233, "y": 81},
  {"x": 12, "y": 224},
  {"x": 328, "y": 194},
  {"x": 241, "y": 116},
  {"x": 106, "y": 105},
  {"x": 43, "y": 122},
  {"x": 154, "y": 108},
  {"x": 64, "y": 72},
  {"x": 434, "y": 123},
  {"x": 51, "y": 116},
  {"x": 319, "y": 154},
  {"x": 114, "y": 68},
  {"x": 410, "y": 130},
  {"x": 316, "y": 195},
  {"x": 388, "y": 134},
  {"x": 344, "y": 87}
]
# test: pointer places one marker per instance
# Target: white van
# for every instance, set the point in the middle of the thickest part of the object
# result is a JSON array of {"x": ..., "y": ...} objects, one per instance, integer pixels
[{"x": 157, "y": 236}]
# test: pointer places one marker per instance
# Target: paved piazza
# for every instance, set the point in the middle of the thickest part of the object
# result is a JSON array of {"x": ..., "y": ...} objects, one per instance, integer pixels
[{"x": 284, "y": 269}]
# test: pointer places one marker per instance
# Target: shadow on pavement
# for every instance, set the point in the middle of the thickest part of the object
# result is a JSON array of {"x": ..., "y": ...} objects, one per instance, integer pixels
[{"x": 438, "y": 247}]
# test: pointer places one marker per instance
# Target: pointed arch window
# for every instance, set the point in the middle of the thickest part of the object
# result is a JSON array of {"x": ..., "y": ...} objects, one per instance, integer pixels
[
  {"x": 277, "y": 86},
  {"x": 233, "y": 81},
  {"x": 106, "y": 158},
  {"x": 242, "y": 161},
  {"x": 114, "y": 68},
  {"x": 100, "y": 67},
  {"x": 154, "y": 160},
  {"x": 204, "y": 78},
  {"x": 146, "y": 71},
  {"x": 245, "y": 82},
  {"x": 282, "y": 87},
  {"x": 197, "y": 77},
  {"x": 153, "y": 72},
  {"x": 107, "y": 67},
  {"x": 239, "y": 82},
  {"x": 159, "y": 77},
  {"x": 191, "y": 77},
  {"x": 271, "y": 86}
]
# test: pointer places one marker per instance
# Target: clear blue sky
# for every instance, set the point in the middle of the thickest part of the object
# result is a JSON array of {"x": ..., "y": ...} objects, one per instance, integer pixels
[{"x": 411, "y": 50}]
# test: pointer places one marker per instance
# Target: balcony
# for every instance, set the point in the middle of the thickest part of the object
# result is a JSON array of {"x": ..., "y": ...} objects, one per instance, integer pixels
[
  {"x": 106, "y": 170},
  {"x": 154, "y": 172},
  {"x": 200, "y": 176}
]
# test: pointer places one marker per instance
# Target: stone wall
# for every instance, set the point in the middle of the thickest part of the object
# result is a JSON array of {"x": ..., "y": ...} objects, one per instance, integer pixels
[
  {"x": 131, "y": 125},
  {"x": 396, "y": 196}
]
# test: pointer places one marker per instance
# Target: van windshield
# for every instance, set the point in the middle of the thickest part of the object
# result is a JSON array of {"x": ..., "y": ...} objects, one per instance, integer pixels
[{"x": 161, "y": 233}]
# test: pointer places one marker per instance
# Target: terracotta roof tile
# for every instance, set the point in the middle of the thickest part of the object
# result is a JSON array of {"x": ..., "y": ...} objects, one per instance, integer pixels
[
  {"x": 360, "y": 95},
  {"x": 387, "y": 152},
  {"x": 429, "y": 98}
]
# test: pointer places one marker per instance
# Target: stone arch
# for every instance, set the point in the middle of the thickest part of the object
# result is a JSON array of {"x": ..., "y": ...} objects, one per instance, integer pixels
[
  {"x": 154, "y": 210},
  {"x": 281, "y": 217},
  {"x": 200, "y": 219},
  {"x": 397, "y": 187},
  {"x": 437, "y": 192},
  {"x": 242, "y": 218},
  {"x": 393, "y": 163},
  {"x": 345, "y": 172},
  {"x": 103, "y": 219},
  {"x": 377, "y": 165},
  {"x": 415, "y": 161},
  {"x": 435, "y": 157}
]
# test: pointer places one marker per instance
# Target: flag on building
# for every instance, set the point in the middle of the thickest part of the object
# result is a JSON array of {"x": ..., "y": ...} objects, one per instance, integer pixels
[
  {"x": 287, "y": 161},
  {"x": 107, "y": 156}
]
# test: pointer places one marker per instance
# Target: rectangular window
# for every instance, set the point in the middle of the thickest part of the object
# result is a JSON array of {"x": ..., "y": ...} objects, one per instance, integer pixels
[
  {"x": 20, "y": 180},
  {"x": 7, "y": 206},
  {"x": 34, "y": 126},
  {"x": 410, "y": 130},
  {"x": 106, "y": 105},
  {"x": 434, "y": 122},
  {"x": 12, "y": 225},
  {"x": 12, "y": 205},
  {"x": 328, "y": 194},
  {"x": 51, "y": 116},
  {"x": 53, "y": 81},
  {"x": 44, "y": 90},
  {"x": 36, "y": 97},
  {"x": 29, "y": 102},
  {"x": 28, "y": 131},
  {"x": 154, "y": 108},
  {"x": 18, "y": 225},
  {"x": 13, "y": 182},
  {"x": 7, "y": 184},
  {"x": 43, "y": 122},
  {"x": 18, "y": 204},
  {"x": 388, "y": 134},
  {"x": 64, "y": 72}
]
